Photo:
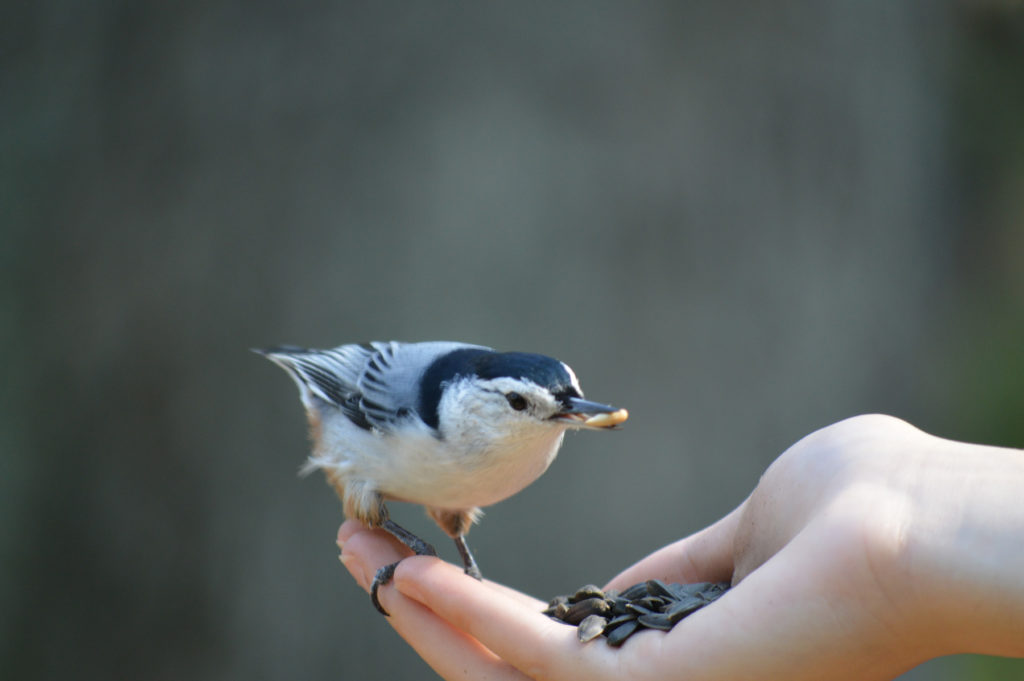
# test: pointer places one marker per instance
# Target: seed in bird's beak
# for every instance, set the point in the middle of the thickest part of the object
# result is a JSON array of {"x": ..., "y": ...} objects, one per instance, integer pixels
[{"x": 607, "y": 420}]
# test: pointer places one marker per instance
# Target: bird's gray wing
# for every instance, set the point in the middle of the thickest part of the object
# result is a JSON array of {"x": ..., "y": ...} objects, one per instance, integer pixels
[
  {"x": 390, "y": 384},
  {"x": 327, "y": 376},
  {"x": 374, "y": 385}
]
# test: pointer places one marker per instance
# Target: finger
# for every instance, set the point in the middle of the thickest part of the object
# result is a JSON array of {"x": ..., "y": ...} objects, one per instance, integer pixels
[
  {"x": 525, "y": 600},
  {"x": 536, "y": 645},
  {"x": 706, "y": 556},
  {"x": 350, "y": 528},
  {"x": 450, "y": 652},
  {"x": 365, "y": 550}
]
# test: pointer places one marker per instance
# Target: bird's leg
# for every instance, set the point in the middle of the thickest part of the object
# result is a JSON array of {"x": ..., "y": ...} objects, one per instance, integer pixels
[
  {"x": 418, "y": 546},
  {"x": 384, "y": 574},
  {"x": 456, "y": 524},
  {"x": 471, "y": 568},
  {"x": 364, "y": 502}
]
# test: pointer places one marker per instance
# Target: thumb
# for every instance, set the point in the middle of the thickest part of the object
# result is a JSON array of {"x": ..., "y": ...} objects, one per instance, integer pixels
[{"x": 706, "y": 556}]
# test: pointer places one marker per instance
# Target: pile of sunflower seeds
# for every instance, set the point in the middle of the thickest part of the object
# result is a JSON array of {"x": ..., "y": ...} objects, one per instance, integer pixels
[{"x": 619, "y": 614}]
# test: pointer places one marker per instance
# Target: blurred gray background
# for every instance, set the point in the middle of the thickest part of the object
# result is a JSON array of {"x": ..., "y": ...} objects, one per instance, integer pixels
[{"x": 742, "y": 221}]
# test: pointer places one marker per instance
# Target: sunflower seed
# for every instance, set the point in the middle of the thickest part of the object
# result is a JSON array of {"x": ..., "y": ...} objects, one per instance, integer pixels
[
  {"x": 656, "y": 587},
  {"x": 651, "y": 603},
  {"x": 619, "y": 606},
  {"x": 682, "y": 591},
  {"x": 558, "y": 611},
  {"x": 588, "y": 591},
  {"x": 638, "y": 609},
  {"x": 590, "y": 606},
  {"x": 656, "y": 621},
  {"x": 635, "y": 591},
  {"x": 681, "y": 609},
  {"x": 590, "y": 628},
  {"x": 621, "y": 619},
  {"x": 618, "y": 636}
]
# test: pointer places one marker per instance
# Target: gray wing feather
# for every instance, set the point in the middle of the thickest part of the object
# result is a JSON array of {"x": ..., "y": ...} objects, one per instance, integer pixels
[
  {"x": 389, "y": 384},
  {"x": 327, "y": 376},
  {"x": 375, "y": 385}
]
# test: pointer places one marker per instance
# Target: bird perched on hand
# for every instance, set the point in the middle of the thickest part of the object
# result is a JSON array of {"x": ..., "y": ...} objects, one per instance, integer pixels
[{"x": 447, "y": 425}]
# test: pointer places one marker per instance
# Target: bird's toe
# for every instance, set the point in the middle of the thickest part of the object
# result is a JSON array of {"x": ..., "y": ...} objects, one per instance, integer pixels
[{"x": 380, "y": 578}]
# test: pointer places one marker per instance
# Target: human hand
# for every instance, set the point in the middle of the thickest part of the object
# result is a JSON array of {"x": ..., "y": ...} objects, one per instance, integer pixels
[{"x": 843, "y": 560}]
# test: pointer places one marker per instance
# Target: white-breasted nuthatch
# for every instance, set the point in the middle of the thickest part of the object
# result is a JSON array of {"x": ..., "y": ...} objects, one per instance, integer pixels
[{"x": 448, "y": 425}]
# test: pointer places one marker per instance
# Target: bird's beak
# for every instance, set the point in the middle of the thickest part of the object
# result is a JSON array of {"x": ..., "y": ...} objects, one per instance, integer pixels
[{"x": 584, "y": 414}]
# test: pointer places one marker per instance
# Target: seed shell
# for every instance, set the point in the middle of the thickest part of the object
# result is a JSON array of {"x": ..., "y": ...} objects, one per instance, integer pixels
[
  {"x": 637, "y": 609},
  {"x": 621, "y": 619},
  {"x": 590, "y": 606},
  {"x": 591, "y": 627},
  {"x": 656, "y": 587},
  {"x": 619, "y": 634},
  {"x": 681, "y": 609},
  {"x": 558, "y": 611},
  {"x": 635, "y": 591},
  {"x": 651, "y": 603},
  {"x": 620, "y": 606},
  {"x": 585, "y": 592},
  {"x": 656, "y": 621}
]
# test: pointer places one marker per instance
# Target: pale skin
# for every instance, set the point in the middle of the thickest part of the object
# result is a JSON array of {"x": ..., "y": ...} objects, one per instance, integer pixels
[{"x": 866, "y": 548}]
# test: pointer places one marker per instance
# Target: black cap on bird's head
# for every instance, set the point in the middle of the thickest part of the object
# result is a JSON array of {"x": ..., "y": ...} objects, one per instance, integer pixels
[
  {"x": 545, "y": 371},
  {"x": 548, "y": 373}
]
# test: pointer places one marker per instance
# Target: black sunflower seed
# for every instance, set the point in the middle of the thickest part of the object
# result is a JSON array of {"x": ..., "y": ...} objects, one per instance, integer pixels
[
  {"x": 638, "y": 609},
  {"x": 585, "y": 592},
  {"x": 635, "y": 591},
  {"x": 619, "y": 634},
  {"x": 656, "y": 587},
  {"x": 681, "y": 609},
  {"x": 590, "y": 606},
  {"x": 656, "y": 621},
  {"x": 621, "y": 619}
]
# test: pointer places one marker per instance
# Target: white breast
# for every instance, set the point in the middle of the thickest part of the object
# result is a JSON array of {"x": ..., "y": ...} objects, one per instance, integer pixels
[{"x": 463, "y": 471}]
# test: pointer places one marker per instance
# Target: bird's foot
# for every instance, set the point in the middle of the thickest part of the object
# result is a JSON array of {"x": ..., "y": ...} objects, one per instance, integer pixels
[
  {"x": 382, "y": 576},
  {"x": 474, "y": 572},
  {"x": 385, "y": 573}
]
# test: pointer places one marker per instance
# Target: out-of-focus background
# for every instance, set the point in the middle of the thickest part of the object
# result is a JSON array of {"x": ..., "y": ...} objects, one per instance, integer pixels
[{"x": 741, "y": 221}]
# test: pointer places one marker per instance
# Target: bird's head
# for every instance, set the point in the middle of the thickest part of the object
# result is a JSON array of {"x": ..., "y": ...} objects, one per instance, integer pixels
[{"x": 511, "y": 394}]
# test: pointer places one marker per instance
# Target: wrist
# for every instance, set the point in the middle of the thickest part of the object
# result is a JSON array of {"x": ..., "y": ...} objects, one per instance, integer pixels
[{"x": 960, "y": 557}]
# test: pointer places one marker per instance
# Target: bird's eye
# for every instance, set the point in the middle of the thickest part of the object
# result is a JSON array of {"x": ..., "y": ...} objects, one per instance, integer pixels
[{"x": 516, "y": 401}]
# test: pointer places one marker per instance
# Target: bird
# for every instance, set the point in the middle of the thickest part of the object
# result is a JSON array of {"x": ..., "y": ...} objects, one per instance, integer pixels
[{"x": 448, "y": 425}]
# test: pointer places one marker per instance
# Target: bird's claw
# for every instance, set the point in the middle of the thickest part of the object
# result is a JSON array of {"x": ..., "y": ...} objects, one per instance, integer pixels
[
  {"x": 387, "y": 572},
  {"x": 384, "y": 574},
  {"x": 380, "y": 578}
]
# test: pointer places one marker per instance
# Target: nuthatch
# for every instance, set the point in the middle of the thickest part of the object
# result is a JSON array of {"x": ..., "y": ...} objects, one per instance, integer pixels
[{"x": 448, "y": 425}]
